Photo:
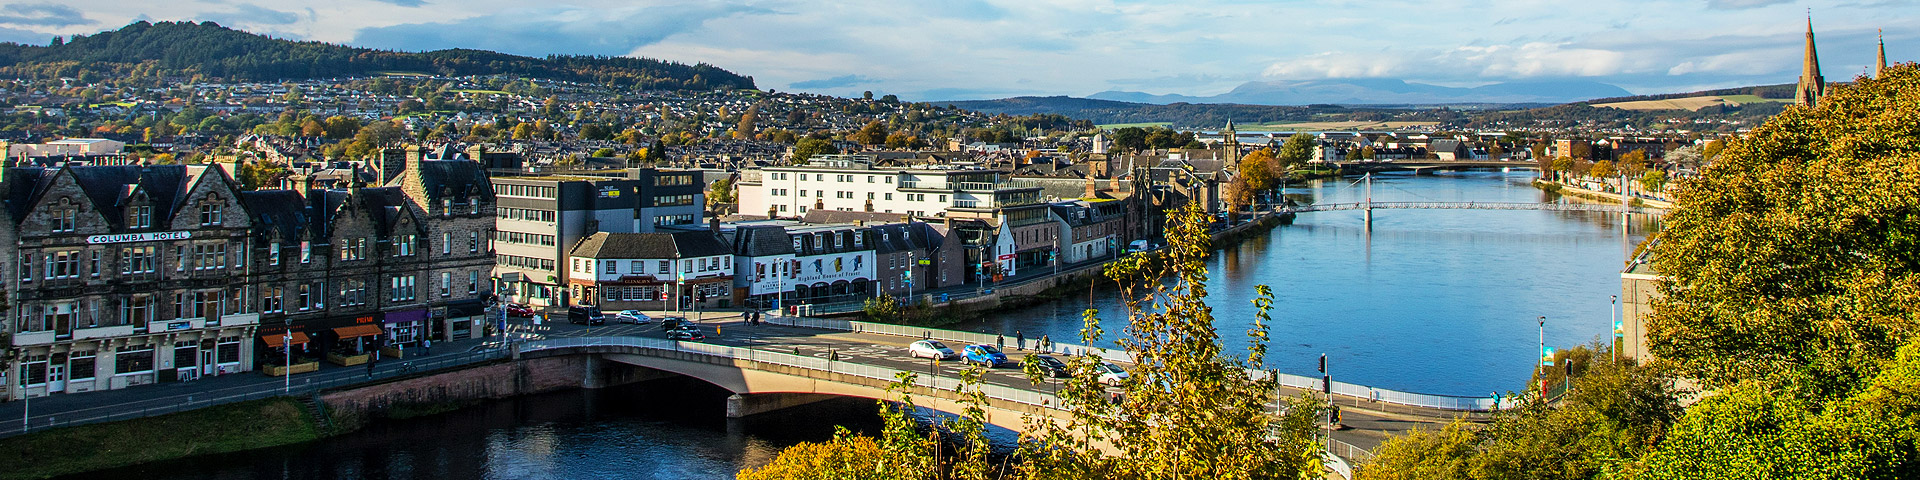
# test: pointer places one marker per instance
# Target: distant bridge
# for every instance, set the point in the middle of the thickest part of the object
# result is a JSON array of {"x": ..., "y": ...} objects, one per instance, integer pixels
[
  {"x": 1561, "y": 207},
  {"x": 1420, "y": 166}
]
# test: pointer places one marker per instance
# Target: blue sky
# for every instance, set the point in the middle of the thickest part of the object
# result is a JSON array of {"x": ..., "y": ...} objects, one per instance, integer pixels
[{"x": 968, "y": 49}]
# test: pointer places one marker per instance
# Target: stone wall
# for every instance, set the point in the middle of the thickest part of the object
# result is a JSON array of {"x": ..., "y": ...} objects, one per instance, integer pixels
[{"x": 500, "y": 380}]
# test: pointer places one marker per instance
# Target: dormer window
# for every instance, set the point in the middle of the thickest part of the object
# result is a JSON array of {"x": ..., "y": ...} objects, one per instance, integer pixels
[{"x": 140, "y": 217}]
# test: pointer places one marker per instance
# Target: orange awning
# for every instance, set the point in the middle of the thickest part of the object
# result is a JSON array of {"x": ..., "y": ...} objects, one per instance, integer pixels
[
  {"x": 273, "y": 340},
  {"x": 357, "y": 331}
]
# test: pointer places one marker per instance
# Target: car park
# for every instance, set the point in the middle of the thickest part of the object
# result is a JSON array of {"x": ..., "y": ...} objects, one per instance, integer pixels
[
  {"x": 632, "y": 316},
  {"x": 1054, "y": 367},
  {"x": 982, "y": 354},
  {"x": 931, "y": 349},
  {"x": 1111, "y": 374}
]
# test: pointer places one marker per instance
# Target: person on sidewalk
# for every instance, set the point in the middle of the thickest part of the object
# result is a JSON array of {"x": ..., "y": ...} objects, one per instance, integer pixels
[
  {"x": 1046, "y": 342},
  {"x": 1019, "y": 340},
  {"x": 370, "y": 364},
  {"x": 426, "y": 347}
]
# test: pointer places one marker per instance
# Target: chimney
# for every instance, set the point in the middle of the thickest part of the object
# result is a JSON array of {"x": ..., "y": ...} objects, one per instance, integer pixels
[
  {"x": 713, "y": 225},
  {"x": 1093, "y": 187}
]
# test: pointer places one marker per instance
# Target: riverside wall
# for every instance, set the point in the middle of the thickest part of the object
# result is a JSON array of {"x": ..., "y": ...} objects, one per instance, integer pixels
[
  {"x": 483, "y": 382},
  {"x": 1599, "y": 196}
]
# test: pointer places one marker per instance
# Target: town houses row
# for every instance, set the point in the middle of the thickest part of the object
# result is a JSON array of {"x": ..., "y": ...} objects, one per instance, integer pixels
[{"x": 124, "y": 275}]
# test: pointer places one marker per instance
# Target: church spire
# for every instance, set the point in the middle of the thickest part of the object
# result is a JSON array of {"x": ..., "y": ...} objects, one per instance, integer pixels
[
  {"x": 1812, "y": 85},
  {"x": 1880, "y": 65}
]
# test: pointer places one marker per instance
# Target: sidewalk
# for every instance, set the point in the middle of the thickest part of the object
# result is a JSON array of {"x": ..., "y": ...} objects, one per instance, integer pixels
[{"x": 145, "y": 400}]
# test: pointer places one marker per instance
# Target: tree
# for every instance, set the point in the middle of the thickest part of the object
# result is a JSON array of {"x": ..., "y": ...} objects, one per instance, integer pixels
[
  {"x": 258, "y": 175},
  {"x": 1601, "y": 169},
  {"x": 847, "y": 456},
  {"x": 1297, "y": 150},
  {"x": 875, "y": 133},
  {"x": 1792, "y": 252},
  {"x": 604, "y": 153},
  {"x": 1653, "y": 180},
  {"x": 720, "y": 196},
  {"x": 807, "y": 148},
  {"x": 1260, "y": 170}
]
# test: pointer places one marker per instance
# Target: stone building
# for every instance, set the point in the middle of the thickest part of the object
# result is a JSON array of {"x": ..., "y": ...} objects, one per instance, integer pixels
[
  {"x": 453, "y": 198},
  {"x": 619, "y": 271},
  {"x": 124, "y": 276}
]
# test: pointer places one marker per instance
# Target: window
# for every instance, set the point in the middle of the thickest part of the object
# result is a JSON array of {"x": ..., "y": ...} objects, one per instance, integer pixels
[
  {"x": 446, "y": 242},
  {"x": 403, "y": 288},
  {"x": 870, "y": 195},
  {"x": 819, "y": 193},
  {"x": 80, "y": 365},
  {"x": 473, "y": 283},
  {"x": 531, "y": 191},
  {"x": 64, "y": 264},
  {"x": 273, "y": 253},
  {"x": 137, "y": 309},
  {"x": 943, "y": 198},
  {"x": 446, "y": 284},
  {"x": 93, "y": 264},
  {"x": 209, "y": 257},
  {"x": 613, "y": 267},
  {"x": 528, "y": 214},
  {"x": 210, "y": 215},
  {"x": 523, "y": 238},
  {"x": 671, "y": 180},
  {"x": 869, "y": 178},
  {"x": 665, "y": 266},
  {"x": 270, "y": 299},
  {"x": 672, "y": 200},
  {"x": 26, "y": 268},
  {"x": 353, "y": 293},
  {"x": 576, "y": 266},
  {"x": 682, "y": 219},
  {"x": 140, "y": 217},
  {"x": 516, "y": 261},
  {"x": 403, "y": 245},
  {"x": 473, "y": 242},
  {"x": 65, "y": 216},
  {"x": 636, "y": 266},
  {"x": 803, "y": 192},
  {"x": 133, "y": 359},
  {"x": 304, "y": 297},
  {"x": 306, "y": 252}
]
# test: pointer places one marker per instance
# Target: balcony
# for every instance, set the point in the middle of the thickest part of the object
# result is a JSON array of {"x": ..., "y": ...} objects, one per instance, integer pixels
[
  {"x": 103, "y": 332},
  {"x": 33, "y": 338},
  {"x": 919, "y": 185}
]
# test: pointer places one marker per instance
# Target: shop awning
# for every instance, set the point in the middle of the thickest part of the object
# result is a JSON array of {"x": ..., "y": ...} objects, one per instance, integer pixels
[
  {"x": 357, "y": 331},
  {"x": 406, "y": 316},
  {"x": 273, "y": 340}
]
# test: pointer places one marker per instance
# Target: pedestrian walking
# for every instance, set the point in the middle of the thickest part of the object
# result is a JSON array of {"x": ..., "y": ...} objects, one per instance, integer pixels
[
  {"x": 370, "y": 364},
  {"x": 426, "y": 347},
  {"x": 1019, "y": 340},
  {"x": 1046, "y": 342},
  {"x": 1000, "y": 341}
]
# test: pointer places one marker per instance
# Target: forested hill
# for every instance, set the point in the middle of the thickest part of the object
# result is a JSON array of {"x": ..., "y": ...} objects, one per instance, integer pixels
[{"x": 184, "y": 49}]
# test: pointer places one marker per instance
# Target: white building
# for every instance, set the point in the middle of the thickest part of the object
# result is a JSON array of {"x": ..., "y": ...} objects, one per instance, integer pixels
[{"x": 851, "y": 183}]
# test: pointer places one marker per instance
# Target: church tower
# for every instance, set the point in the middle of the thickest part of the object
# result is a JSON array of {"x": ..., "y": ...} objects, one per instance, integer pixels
[
  {"x": 1880, "y": 64},
  {"x": 1812, "y": 85},
  {"x": 1232, "y": 140}
]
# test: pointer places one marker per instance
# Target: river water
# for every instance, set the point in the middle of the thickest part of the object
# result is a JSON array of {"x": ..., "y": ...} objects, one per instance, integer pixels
[{"x": 1430, "y": 301}]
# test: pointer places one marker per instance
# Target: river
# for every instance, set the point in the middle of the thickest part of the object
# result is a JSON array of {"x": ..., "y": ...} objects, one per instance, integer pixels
[{"x": 1430, "y": 301}]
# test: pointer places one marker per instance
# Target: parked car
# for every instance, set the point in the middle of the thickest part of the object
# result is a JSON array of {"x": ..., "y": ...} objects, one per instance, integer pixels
[
  {"x": 930, "y": 349},
  {"x": 1111, "y": 374},
  {"x": 1054, "y": 367},
  {"x": 984, "y": 355},
  {"x": 633, "y": 317},
  {"x": 686, "y": 332},
  {"x": 670, "y": 323},
  {"x": 586, "y": 315},
  {"x": 518, "y": 310}
]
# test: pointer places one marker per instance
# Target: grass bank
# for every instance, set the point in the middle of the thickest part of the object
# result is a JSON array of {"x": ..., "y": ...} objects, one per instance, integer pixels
[{"x": 218, "y": 429}]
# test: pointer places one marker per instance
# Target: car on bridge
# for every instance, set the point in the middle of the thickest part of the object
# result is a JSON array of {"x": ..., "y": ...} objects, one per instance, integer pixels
[
  {"x": 671, "y": 323},
  {"x": 518, "y": 310},
  {"x": 1111, "y": 374},
  {"x": 1053, "y": 366},
  {"x": 983, "y": 354},
  {"x": 931, "y": 349},
  {"x": 686, "y": 332},
  {"x": 586, "y": 315}
]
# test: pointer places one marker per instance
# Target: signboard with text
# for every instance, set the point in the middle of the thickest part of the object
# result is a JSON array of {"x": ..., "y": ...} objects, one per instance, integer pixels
[{"x": 139, "y": 237}]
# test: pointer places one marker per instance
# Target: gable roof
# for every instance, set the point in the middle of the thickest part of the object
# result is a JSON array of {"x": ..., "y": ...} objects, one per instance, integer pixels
[{"x": 650, "y": 245}]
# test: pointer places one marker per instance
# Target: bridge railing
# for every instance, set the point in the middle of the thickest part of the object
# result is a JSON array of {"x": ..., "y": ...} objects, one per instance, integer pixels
[
  {"x": 948, "y": 383},
  {"x": 1381, "y": 395}
]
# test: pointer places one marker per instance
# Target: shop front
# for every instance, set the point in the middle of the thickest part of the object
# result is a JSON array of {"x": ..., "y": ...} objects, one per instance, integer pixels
[
  {"x": 404, "y": 330},
  {"x": 464, "y": 319},
  {"x": 353, "y": 344}
]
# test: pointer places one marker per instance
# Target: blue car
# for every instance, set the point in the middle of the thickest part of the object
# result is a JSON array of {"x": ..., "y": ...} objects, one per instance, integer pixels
[{"x": 984, "y": 355}]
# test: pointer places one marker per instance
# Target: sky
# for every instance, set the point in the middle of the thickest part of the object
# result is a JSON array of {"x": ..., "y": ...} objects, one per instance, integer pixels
[{"x": 977, "y": 49}]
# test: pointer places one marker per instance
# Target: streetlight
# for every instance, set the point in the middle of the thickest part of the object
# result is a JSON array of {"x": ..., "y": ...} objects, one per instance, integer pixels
[
  {"x": 1613, "y": 310},
  {"x": 286, "y": 372},
  {"x": 1540, "y": 366}
]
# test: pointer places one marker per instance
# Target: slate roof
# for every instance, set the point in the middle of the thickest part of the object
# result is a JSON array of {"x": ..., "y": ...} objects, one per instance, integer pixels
[
  {"x": 761, "y": 240},
  {"x": 651, "y": 245},
  {"x": 459, "y": 178},
  {"x": 278, "y": 215},
  {"x": 108, "y": 188},
  {"x": 823, "y": 216}
]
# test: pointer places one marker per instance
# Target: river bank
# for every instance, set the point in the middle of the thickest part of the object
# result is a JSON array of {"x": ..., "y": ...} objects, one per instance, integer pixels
[
  {"x": 212, "y": 430},
  {"x": 1596, "y": 195}
]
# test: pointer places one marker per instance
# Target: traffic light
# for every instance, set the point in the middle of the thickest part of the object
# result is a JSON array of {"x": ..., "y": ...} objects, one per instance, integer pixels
[
  {"x": 1336, "y": 414},
  {"x": 1323, "y": 363}
]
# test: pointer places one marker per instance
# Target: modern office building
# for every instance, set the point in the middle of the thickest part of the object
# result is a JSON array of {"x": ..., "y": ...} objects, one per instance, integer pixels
[{"x": 538, "y": 219}]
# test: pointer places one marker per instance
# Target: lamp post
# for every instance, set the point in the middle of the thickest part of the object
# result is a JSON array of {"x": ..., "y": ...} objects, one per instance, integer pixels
[
  {"x": 286, "y": 375},
  {"x": 1540, "y": 365},
  {"x": 1613, "y": 312}
]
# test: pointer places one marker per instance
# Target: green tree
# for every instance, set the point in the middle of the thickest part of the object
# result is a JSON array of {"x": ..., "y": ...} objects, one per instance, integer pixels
[
  {"x": 1793, "y": 251},
  {"x": 1653, "y": 180},
  {"x": 1297, "y": 150},
  {"x": 807, "y": 148},
  {"x": 1601, "y": 169},
  {"x": 1261, "y": 171},
  {"x": 258, "y": 175}
]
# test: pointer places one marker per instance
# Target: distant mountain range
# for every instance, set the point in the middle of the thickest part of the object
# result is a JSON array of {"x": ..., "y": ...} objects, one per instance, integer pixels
[
  {"x": 187, "y": 49},
  {"x": 1358, "y": 92}
]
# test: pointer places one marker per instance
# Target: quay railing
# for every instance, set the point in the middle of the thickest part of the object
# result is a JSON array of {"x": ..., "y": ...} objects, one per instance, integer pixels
[{"x": 165, "y": 404}]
